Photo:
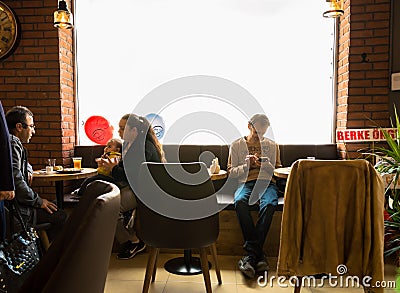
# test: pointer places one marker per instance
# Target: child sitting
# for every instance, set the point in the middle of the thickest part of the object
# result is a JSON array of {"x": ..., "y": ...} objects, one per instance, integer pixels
[{"x": 112, "y": 150}]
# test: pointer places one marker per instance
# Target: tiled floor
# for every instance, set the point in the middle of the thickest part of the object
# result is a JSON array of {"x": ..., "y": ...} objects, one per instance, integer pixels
[{"x": 127, "y": 276}]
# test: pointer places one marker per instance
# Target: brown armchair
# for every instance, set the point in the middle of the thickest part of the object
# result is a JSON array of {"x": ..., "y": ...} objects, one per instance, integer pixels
[
  {"x": 164, "y": 222},
  {"x": 332, "y": 217},
  {"x": 78, "y": 259}
]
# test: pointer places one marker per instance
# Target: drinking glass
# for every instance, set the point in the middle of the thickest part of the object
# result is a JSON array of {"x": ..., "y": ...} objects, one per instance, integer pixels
[
  {"x": 51, "y": 163},
  {"x": 77, "y": 162}
]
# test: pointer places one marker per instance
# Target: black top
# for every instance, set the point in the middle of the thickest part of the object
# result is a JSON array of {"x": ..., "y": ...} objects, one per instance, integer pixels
[{"x": 127, "y": 170}]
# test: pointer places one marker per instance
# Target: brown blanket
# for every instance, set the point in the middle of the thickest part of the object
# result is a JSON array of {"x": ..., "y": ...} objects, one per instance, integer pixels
[{"x": 333, "y": 215}]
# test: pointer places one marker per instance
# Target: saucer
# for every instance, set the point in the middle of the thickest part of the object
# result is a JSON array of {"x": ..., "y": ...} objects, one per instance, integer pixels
[
  {"x": 43, "y": 172},
  {"x": 69, "y": 171}
]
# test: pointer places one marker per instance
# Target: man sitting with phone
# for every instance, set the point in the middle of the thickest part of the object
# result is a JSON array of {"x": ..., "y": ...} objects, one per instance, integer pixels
[{"x": 252, "y": 159}]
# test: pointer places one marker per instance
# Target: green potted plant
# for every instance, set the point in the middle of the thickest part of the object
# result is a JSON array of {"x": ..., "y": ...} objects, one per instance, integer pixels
[{"x": 389, "y": 168}]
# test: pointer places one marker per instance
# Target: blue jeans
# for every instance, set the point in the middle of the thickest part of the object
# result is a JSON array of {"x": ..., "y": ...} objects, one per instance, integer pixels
[{"x": 249, "y": 192}]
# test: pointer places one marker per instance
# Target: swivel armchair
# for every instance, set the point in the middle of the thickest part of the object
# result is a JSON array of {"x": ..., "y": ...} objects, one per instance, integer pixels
[{"x": 171, "y": 198}]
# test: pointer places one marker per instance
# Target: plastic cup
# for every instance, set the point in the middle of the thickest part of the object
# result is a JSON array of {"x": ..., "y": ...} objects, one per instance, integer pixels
[{"x": 77, "y": 162}]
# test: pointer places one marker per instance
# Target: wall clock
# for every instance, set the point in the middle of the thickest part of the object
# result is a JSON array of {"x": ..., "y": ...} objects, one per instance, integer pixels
[{"x": 8, "y": 29}]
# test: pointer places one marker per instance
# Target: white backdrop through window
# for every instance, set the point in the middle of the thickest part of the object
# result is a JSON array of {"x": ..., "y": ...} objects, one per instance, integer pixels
[{"x": 279, "y": 51}]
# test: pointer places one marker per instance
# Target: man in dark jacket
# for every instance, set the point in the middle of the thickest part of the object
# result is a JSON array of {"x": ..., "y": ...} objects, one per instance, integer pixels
[{"x": 21, "y": 127}]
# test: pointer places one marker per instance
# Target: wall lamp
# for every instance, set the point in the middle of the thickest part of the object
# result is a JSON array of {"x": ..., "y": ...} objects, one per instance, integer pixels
[
  {"x": 335, "y": 9},
  {"x": 62, "y": 17}
]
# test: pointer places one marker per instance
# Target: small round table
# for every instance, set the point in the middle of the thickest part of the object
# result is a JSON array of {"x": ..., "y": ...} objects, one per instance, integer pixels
[
  {"x": 60, "y": 177},
  {"x": 282, "y": 172},
  {"x": 222, "y": 174}
]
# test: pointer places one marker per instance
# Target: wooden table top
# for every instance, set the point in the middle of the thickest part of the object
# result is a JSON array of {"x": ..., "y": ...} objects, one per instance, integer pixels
[
  {"x": 222, "y": 174},
  {"x": 282, "y": 172},
  {"x": 54, "y": 176}
]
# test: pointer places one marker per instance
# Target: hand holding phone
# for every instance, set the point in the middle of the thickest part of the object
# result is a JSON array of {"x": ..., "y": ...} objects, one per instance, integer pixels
[{"x": 263, "y": 159}]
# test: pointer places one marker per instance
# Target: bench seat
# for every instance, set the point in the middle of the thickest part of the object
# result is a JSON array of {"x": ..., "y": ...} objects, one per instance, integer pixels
[
  {"x": 205, "y": 153},
  {"x": 226, "y": 200}
]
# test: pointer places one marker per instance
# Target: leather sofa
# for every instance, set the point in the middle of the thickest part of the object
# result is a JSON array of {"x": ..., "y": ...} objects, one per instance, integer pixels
[
  {"x": 78, "y": 258},
  {"x": 205, "y": 153}
]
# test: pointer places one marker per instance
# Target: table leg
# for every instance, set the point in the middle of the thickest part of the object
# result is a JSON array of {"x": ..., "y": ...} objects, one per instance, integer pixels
[
  {"x": 186, "y": 265},
  {"x": 60, "y": 194}
]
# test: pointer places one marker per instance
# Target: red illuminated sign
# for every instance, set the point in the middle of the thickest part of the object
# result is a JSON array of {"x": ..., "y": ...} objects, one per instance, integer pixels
[{"x": 357, "y": 135}]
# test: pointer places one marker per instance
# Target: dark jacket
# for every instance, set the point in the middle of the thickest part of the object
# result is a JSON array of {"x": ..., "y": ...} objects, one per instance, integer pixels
[
  {"x": 23, "y": 192},
  {"x": 7, "y": 180},
  {"x": 125, "y": 173}
]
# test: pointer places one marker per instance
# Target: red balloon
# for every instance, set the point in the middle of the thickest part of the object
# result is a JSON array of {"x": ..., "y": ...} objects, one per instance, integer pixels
[{"x": 98, "y": 129}]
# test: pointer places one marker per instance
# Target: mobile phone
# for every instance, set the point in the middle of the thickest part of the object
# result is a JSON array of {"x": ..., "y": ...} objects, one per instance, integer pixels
[{"x": 263, "y": 159}]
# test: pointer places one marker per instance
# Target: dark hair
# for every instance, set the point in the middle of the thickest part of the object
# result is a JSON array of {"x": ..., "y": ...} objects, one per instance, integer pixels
[
  {"x": 145, "y": 130},
  {"x": 117, "y": 142},
  {"x": 17, "y": 114},
  {"x": 125, "y": 117},
  {"x": 262, "y": 118}
]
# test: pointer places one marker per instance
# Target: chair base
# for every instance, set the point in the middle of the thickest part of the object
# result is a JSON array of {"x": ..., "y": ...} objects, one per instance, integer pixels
[{"x": 186, "y": 265}]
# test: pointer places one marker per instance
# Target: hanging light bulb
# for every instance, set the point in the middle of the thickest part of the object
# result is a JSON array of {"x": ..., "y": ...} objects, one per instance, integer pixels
[
  {"x": 335, "y": 8},
  {"x": 62, "y": 17}
]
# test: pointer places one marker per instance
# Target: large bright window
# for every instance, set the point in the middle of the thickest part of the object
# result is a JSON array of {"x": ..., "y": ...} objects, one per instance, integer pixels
[{"x": 281, "y": 52}]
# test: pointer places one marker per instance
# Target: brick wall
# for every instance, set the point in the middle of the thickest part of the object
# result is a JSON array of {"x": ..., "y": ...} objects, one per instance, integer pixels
[
  {"x": 67, "y": 94},
  {"x": 363, "y": 68},
  {"x": 39, "y": 75}
]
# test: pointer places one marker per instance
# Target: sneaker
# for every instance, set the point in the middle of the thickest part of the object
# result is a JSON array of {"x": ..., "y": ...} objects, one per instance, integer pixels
[
  {"x": 246, "y": 266},
  {"x": 262, "y": 265},
  {"x": 130, "y": 249},
  {"x": 75, "y": 192}
]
